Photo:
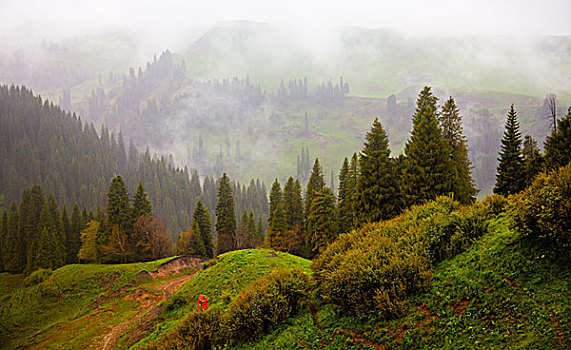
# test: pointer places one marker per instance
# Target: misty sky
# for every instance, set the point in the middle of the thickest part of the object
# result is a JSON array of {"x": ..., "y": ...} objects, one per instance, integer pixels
[{"x": 450, "y": 17}]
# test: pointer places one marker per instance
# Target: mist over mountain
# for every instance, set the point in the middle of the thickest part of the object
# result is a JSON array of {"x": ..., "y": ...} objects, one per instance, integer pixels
[{"x": 220, "y": 110}]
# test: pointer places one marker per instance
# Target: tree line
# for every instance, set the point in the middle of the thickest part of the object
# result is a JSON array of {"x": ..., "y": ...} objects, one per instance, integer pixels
[
  {"x": 374, "y": 186},
  {"x": 520, "y": 160},
  {"x": 41, "y": 144}
]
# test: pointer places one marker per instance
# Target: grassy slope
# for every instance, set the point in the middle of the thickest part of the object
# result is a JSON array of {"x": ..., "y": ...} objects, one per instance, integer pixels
[
  {"x": 71, "y": 308},
  {"x": 221, "y": 283},
  {"x": 501, "y": 293}
]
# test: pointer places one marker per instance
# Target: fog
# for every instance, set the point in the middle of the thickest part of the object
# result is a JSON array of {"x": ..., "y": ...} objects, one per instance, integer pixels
[{"x": 474, "y": 50}]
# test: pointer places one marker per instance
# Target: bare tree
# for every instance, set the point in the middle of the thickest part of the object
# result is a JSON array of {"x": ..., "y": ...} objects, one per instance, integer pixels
[{"x": 551, "y": 105}]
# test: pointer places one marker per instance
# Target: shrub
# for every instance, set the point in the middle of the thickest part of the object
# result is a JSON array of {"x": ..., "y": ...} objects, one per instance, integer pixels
[
  {"x": 543, "y": 210},
  {"x": 495, "y": 204},
  {"x": 197, "y": 330},
  {"x": 265, "y": 304},
  {"x": 377, "y": 267},
  {"x": 37, "y": 277}
]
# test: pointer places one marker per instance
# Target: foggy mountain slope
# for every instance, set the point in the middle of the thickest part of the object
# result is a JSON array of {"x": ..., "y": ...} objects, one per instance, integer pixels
[
  {"x": 382, "y": 62},
  {"x": 186, "y": 102}
]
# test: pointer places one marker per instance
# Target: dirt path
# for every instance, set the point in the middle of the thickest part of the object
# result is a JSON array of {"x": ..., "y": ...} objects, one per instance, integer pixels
[{"x": 110, "y": 339}]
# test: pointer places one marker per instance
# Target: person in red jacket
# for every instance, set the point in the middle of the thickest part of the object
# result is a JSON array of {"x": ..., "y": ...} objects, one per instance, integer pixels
[{"x": 202, "y": 302}]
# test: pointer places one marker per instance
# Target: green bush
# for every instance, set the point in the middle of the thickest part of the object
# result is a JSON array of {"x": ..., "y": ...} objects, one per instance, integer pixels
[
  {"x": 543, "y": 210},
  {"x": 265, "y": 304},
  {"x": 374, "y": 269},
  {"x": 200, "y": 330},
  {"x": 37, "y": 277},
  {"x": 495, "y": 204}
]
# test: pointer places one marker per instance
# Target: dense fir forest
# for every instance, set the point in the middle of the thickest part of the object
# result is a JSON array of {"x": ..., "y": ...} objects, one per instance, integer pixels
[{"x": 41, "y": 144}]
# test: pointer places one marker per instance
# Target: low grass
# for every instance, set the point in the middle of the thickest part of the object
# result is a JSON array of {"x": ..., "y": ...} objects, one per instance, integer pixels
[
  {"x": 502, "y": 293},
  {"x": 71, "y": 307}
]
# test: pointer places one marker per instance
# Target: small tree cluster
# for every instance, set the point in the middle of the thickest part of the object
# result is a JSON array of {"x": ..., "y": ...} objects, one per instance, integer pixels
[
  {"x": 38, "y": 234},
  {"x": 125, "y": 233}
]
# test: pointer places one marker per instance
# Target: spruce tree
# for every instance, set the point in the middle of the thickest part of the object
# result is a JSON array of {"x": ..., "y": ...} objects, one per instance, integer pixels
[
  {"x": 533, "y": 161},
  {"x": 29, "y": 227},
  {"x": 314, "y": 185},
  {"x": 510, "y": 177},
  {"x": 202, "y": 225},
  {"x": 141, "y": 204},
  {"x": 461, "y": 180},
  {"x": 377, "y": 196},
  {"x": 428, "y": 170},
  {"x": 225, "y": 217},
  {"x": 13, "y": 257},
  {"x": 276, "y": 220},
  {"x": 322, "y": 226},
  {"x": 557, "y": 145},
  {"x": 293, "y": 204},
  {"x": 74, "y": 238},
  {"x": 344, "y": 203},
  {"x": 119, "y": 211},
  {"x": 3, "y": 239}
]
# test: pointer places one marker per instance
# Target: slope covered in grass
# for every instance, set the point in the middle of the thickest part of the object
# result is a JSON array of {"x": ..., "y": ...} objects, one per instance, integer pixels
[
  {"x": 502, "y": 293},
  {"x": 72, "y": 306},
  {"x": 221, "y": 283}
]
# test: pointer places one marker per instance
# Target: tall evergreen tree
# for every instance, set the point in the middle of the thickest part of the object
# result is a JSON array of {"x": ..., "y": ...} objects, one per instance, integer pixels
[
  {"x": 29, "y": 228},
  {"x": 558, "y": 144},
  {"x": 13, "y": 257},
  {"x": 141, "y": 204},
  {"x": 74, "y": 239},
  {"x": 533, "y": 161},
  {"x": 314, "y": 185},
  {"x": 377, "y": 196},
  {"x": 510, "y": 177},
  {"x": 225, "y": 217},
  {"x": 428, "y": 169},
  {"x": 3, "y": 239},
  {"x": 119, "y": 211},
  {"x": 322, "y": 227},
  {"x": 293, "y": 204},
  {"x": 203, "y": 227},
  {"x": 276, "y": 220},
  {"x": 344, "y": 202},
  {"x": 461, "y": 180}
]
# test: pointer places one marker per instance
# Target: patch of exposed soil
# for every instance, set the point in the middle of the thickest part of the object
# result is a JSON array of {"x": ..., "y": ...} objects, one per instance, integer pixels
[{"x": 149, "y": 308}]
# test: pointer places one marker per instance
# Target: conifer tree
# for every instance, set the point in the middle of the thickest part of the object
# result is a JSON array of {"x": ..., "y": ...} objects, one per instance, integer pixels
[
  {"x": 259, "y": 231},
  {"x": 377, "y": 196},
  {"x": 141, "y": 204},
  {"x": 276, "y": 220},
  {"x": 532, "y": 159},
  {"x": 322, "y": 227},
  {"x": 119, "y": 211},
  {"x": 13, "y": 257},
  {"x": 558, "y": 144},
  {"x": 3, "y": 239},
  {"x": 66, "y": 233},
  {"x": 203, "y": 227},
  {"x": 189, "y": 243},
  {"x": 427, "y": 168},
  {"x": 461, "y": 180},
  {"x": 293, "y": 204},
  {"x": 344, "y": 202},
  {"x": 29, "y": 228},
  {"x": 225, "y": 217},
  {"x": 510, "y": 177},
  {"x": 314, "y": 185},
  {"x": 74, "y": 238},
  {"x": 195, "y": 188}
]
